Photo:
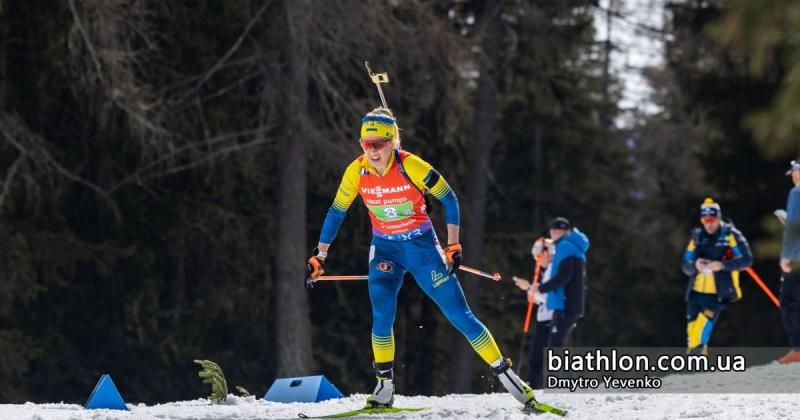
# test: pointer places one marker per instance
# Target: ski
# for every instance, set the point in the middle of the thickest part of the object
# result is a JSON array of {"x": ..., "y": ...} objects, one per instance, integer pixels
[
  {"x": 365, "y": 411},
  {"x": 537, "y": 408}
]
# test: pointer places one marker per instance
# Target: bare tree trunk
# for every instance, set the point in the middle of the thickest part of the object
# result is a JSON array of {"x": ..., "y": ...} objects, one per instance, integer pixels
[
  {"x": 293, "y": 312},
  {"x": 3, "y": 59},
  {"x": 606, "y": 120},
  {"x": 538, "y": 171},
  {"x": 475, "y": 209}
]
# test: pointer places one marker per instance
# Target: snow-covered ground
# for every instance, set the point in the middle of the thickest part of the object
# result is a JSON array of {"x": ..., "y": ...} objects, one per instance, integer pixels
[{"x": 497, "y": 406}]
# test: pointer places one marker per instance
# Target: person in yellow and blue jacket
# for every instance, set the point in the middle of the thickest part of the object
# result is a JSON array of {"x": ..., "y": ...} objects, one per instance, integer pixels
[
  {"x": 716, "y": 254},
  {"x": 392, "y": 183}
]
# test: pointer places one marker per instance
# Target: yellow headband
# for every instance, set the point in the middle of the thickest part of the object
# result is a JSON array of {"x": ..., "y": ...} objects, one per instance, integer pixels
[{"x": 378, "y": 126}]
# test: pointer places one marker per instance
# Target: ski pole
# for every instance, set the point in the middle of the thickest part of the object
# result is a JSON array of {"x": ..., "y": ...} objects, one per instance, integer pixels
[
  {"x": 528, "y": 315},
  {"x": 763, "y": 286},
  {"x": 521, "y": 360},
  {"x": 531, "y": 296},
  {"x": 531, "y": 302},
  {"x": 495, "y": 276},
  {"x": 337, "y": 278}
]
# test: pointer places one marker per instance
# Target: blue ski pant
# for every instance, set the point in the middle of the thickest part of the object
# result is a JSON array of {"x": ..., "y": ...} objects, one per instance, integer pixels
[
  {"x": 790, "y": 307},
  {"x": 423, "y": 258},
  {"x": 702, "y": 312}
]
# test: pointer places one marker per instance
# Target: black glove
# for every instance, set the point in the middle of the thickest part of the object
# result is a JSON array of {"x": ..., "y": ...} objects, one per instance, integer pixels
[{"x": 453, "y": 255}]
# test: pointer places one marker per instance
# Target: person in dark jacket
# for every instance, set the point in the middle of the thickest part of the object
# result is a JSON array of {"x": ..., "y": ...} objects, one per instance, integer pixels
[
  {"x": 566, "y": 289},
  {"x": 790, "y": 268},
  {"x": 716, "y": 254}
]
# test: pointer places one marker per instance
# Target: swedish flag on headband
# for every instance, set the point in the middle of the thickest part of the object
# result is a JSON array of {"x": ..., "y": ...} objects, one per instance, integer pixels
[{"x": 378, "y": 126}]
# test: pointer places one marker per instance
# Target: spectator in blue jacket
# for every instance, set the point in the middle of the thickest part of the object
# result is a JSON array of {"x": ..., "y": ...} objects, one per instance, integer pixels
[
  {"x": 790, "y": 279},
  {"x": 566, "y": 289}
]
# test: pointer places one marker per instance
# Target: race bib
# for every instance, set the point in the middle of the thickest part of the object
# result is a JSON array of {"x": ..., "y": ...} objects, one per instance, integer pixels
[{"x": 393, "y": 212}]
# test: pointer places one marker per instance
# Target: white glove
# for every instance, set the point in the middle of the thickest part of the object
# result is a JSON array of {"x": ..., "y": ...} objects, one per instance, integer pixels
[
  {"x": 551, "y": 246},
  {"x": 537, "y": 248},
  {"x": 781, "y": 215},
  {"x": 540, "y": 244}
]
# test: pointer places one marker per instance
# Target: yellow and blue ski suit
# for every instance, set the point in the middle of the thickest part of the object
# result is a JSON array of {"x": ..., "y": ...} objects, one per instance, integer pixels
[
  {"x": 708, "y": 294},
  {"x": 404, "y": 241}
]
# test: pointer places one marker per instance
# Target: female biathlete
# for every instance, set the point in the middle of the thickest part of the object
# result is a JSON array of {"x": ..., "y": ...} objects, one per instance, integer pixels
[{"x": 392, "y": 183}]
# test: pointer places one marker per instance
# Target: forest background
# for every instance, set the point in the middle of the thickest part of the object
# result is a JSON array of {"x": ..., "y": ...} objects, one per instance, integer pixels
[{"x": 166, "y": 167}]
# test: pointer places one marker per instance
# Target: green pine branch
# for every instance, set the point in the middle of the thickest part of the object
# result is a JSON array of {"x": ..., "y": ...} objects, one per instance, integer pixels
[
  {"x": 244, "y": 392},
  {"x": 212, "y": 375}
]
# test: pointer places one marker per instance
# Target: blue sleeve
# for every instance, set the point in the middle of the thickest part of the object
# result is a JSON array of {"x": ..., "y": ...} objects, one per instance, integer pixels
[
  {"x": 331, "y": 225},
  {"x": 451, "y": 209},
  {"x": 689, "y": 257},
  {"x": 439, "y": 188},
  {"x": 567, "y": 270},
  {"x": 687, "y": 266},
  {"x": 743, "y": 257},
  {"x": 791, "y": 233}
]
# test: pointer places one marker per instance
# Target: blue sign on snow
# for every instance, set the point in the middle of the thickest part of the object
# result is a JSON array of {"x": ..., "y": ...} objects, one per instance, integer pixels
[
  {"x": 302, "y": 389},
  {"x": 105, "y": 395}
]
